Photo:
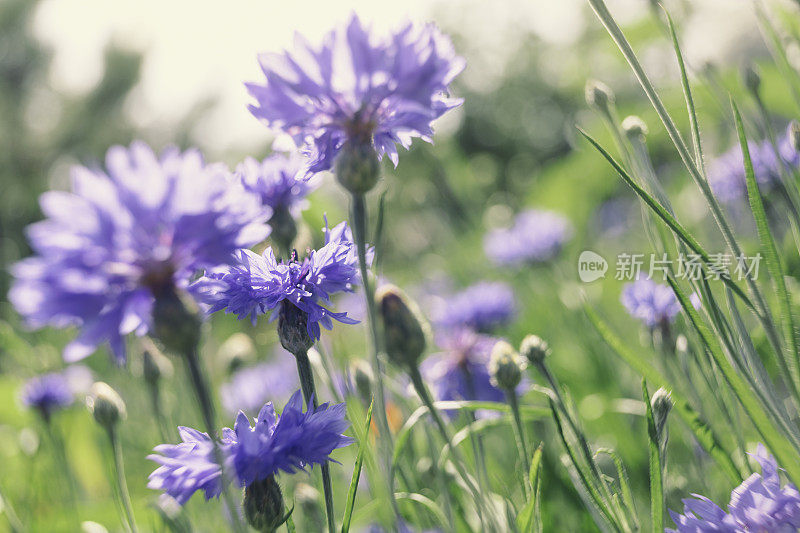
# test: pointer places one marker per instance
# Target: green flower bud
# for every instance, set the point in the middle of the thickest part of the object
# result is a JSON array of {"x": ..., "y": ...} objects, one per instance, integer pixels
[
  {"x": 293, "y": 329},
  {"x": 661, "y": 404},
  {"x": 309, "y": 501},
  {"x": 363, "y": 378},
  {"x": 534, "y": 349},
  {"x": 752, "y": 80},
  {"x": 263, "y": 505},
  {"x": 105, "y": 405},
  {"x": 403, "y": 329},
  {"x": 794, "y": 135},
  {"x": 505, "y": 366},
  {"x": 599, "y": 96},
  {"x": 357, "y": 167},
  {"x": 235, "y": 351},
  {"x": 176, "y": 321},
  {"x": 155, "y": 366},
  {"x": 634, "y": 127}
]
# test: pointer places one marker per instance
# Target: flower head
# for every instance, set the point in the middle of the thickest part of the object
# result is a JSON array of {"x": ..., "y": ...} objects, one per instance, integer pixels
[
  {"x": 277, "y": 180},
  {"x": 123, "y": 234},
  {"x": 47, "y": 393},
  {"x": 357, "y": 86},
  {"x": 249, "y": 388},
  {"x": 535, "y": 237},
  {"x": 289, "y": 442},
  {"x": 758, "y": 504},
  {"x": 653, "y": 303},
  {"x": 482, "y": 307},
  {"x": 256, "y": 284}
]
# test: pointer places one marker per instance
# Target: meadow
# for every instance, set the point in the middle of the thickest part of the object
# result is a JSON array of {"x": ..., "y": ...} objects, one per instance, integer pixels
[{"x": 571, "y": 309}]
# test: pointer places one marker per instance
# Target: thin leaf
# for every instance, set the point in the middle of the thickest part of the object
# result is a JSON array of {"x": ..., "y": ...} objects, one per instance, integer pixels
[
  {"x": 426, "y": 502},
  {"x": 529, "y": 519},
  {"x": 624, "y": 483},
  {"x": 351, "y": 493},
  {"x": 702, "y": 431}
]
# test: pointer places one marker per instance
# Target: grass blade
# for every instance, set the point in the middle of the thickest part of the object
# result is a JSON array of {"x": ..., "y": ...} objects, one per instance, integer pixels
[
  {"x": 529, "y": 519},
  {"x": 351, "y": 492},
  {"x": 656, "y": 481}
]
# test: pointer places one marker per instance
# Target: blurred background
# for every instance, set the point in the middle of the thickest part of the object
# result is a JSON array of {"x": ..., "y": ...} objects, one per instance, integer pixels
[{"x": 77, "y": 76}]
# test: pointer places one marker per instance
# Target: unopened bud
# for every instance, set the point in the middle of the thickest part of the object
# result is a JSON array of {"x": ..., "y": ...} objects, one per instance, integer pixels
[
  {"x": 505, "y": 366},
  {"x": 237, "y": 350},
  {"x": 176, "y": 321},
  {"x": 661, "y": 403},
  {"x": 752, "y": 80},
  {"x": 155, "y": 366},
  {"x": 293, "y": 329},
  {"x": 362, "y": 376},
  {"x": 263, "y": 505},
  {"x": 534, "y": 349},
  {"x": 599, "y": 95},
  {"x": 634, "y": 127},
  {"x": 403, "y": 329},
  {"x": 357, "y": 167},
  {"x": 105, "y": 405},
  {"x": 794, "y": 135},
  {"x": 308, "y": 499}
]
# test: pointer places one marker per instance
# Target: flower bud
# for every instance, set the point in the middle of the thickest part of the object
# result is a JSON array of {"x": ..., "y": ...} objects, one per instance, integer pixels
[
  {"x": 308, "y": 499},
  {"x": 661, "y": 403},
  {"x": 599, "y": 96},
  {"x": 263, "y": 505},
  {"x": 403, "y": 330},
  {"x": 794, "y": 135},
  {"x": 176, "y": 321},
  {"x": 752, "y": 80},
  {"x": 293, "y": 329},
  {"x": 362, "y": 377},
  {"x": 534, "y": 349},
  {"x": 505, "y": 366},
  {"x": 284, "y": 228},
  {"x": 155, "y": 366},
  {"x": 357, "y": 167},
  {"x": 105, "y": 405},
  {"x": 634, "y": 127}
]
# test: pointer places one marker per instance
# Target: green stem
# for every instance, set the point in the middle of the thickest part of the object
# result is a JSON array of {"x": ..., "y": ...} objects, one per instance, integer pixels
[
  {"x": 122, "y": 485},
  {"x": 309, "y": 393},
  {"x": 519, "y": 433},
  {"x": 203, "y": 392},
  {"x": 13, "y": 520}
]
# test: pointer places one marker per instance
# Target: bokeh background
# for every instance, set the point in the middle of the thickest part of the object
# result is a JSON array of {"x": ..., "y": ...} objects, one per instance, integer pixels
[{"x": 77, "y": 76}]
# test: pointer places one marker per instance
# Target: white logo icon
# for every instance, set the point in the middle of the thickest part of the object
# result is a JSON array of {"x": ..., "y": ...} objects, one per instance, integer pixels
[{"x": 591, "y": 266}]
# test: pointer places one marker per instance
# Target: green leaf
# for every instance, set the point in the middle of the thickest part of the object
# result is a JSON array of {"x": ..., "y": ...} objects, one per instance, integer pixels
[
  {"x": 351, "y": 493},
  {"x": 529, "y": 519},
  {"x": 790, "y": 359},
  {"x": 624, "y": 484},
  {"x": 426, "y": 502},
  {"x": 702, "y": 431},
  {"x": 785, "y": 454},
  {"x": 656, "y": 482}
]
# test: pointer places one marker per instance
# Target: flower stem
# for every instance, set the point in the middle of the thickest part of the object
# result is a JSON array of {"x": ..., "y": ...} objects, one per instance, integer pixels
[
  {"x": 60, "y": 451},
  {"x": 309, "y": 393},
  {"x": 203, "y": 392},
  {"x": 519, "y": 433},
  {"x": 13, "y": 520},
  {"x": 122, "y": 485}
]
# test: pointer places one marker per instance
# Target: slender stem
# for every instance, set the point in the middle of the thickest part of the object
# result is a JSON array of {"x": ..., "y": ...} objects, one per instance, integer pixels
[
  {"x": 60, "y": 451},
  {"x": 13, "y": 520},
  {"x": 519, "y": 433},
  {"x": 309, "y": 393},
  {"x": 122, "y": 485},
  {"x": 203, "y": 392},
  {"x": 158, "y": 412}
]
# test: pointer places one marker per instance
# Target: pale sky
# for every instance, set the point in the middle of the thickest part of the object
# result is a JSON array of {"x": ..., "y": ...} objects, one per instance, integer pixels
[{"x": 197, "y": 48}]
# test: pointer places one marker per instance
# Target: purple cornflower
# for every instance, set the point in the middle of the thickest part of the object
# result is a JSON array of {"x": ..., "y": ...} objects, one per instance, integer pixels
[
  {"x": 481, "y": 307},
  {"x": 289, "y": 442},
  {"x": 655, "y": 304},
  {"x": 358, "y": 87},
  {"x": 460, "y": 371},
  {"x": 123, "y": 234},
  {"x": 535, "y": 237},
  {"x": 47, "y": 393},
  {"x": 256, "y": 284},
  {"x": 278, "y": 180},
  {"x": 249, "y": 388},
  {"x": 726, "y": 173},
  {"x": 758, "y": 504}
]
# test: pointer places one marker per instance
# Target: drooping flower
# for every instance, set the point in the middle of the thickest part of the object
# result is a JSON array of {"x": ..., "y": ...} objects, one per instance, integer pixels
[
  {"x": 249, "y": 388},
  {"x": 654, "y": 304},
  {"x": 358, "y": 86},
  {"x": 726, "y": 174},
  {"x": 145, "y": 223},
  {"x": 535, "y": 237},
  {"x": 758, "y": 504},
  {"x": 287, "y": 443},
  {"x": 278, "y": 180},
  {"x": 460, "y": 371},
  {"x": 256, "y": 284},
  {"x": 481, "y": 307},
  {"x": 47, "y": 393}
]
